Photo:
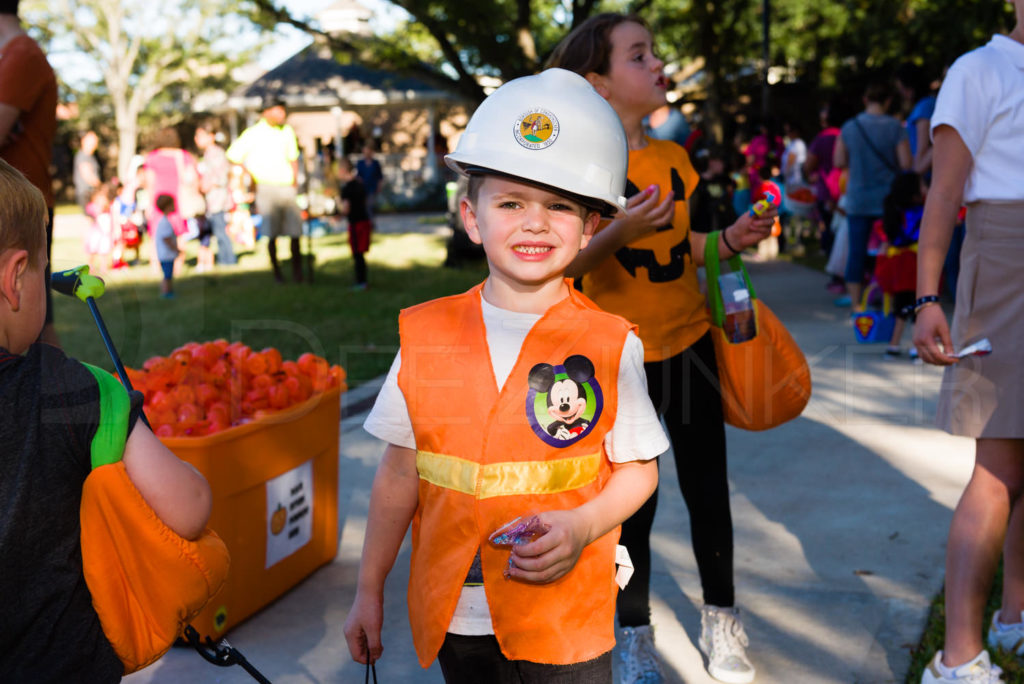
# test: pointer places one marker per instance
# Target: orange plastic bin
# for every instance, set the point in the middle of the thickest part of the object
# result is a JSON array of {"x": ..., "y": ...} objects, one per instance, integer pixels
[{"x": 275, "y": 503}]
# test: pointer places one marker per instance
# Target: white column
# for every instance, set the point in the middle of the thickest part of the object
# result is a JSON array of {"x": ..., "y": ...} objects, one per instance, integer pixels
[
  {"x": 339, "y": 139},
  {"x": 431, "y": 171}
]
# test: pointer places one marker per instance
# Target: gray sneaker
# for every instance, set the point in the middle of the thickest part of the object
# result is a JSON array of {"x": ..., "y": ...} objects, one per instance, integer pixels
[
  {"x": 724, "y": 642},
  {"x": 1010, "y": 638},
  {"x": 638, "y": 659}
]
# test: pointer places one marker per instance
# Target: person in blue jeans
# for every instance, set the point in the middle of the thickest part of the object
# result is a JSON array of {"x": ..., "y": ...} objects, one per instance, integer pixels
[
  {"x": 873, "y": 147},
  {"x": 214, "y": 177}
]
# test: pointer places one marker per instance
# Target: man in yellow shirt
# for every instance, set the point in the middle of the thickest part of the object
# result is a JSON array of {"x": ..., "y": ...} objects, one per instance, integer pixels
[{"x": 269, "y": 151}]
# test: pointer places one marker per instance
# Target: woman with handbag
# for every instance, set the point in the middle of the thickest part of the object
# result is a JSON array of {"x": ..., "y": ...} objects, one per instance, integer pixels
[
  {"x": 874, "y": 147},
  {"x": 644, "y": 267},
  {"x": 978, "y": 160}
]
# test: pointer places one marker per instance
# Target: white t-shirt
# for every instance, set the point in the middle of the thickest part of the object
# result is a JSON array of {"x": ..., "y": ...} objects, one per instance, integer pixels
[
  {"x": 636, "y": 435},
  {"x": 982, "y": 97}
]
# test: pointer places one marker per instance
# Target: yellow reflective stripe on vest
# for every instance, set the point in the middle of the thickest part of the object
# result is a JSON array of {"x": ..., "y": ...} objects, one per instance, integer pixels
[{"x": 509, "y": 478}]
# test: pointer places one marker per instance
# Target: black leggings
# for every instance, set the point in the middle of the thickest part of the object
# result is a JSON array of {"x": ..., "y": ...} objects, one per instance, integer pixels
[
  {"x": 684, "y": 389},
  {"x": 359, "y": 261}
]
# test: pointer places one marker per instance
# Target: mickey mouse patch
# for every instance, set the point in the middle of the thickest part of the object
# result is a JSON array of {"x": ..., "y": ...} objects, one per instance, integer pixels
[{"x": 564, "y": 402}]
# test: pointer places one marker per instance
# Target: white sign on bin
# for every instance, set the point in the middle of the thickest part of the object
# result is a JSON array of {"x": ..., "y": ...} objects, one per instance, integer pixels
[{"x": 289, "y": 512}]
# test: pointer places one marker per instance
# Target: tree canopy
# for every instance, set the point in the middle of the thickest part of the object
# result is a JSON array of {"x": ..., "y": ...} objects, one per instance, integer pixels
[
  {"x": 147, "y": 59},
  {"x": 828, "y": 47}
]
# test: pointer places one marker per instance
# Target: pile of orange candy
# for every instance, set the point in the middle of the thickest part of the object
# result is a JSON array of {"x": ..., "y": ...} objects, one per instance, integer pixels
[{"x": 202, "y": 388}]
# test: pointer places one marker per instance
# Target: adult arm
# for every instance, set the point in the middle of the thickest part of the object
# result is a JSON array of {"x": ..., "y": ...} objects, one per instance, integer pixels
[
  {"x": 176, "y": 492},
  {"x": 569, "y": 531},
  {"x": 952, "y": 164},
  {"x": 810, "y": 167},
  {"x": 923, "y": 156},
  {"x": 903, "y": 156},
  {"x": 393, "y": 501},
  {"x": 840, "y": 155},
  {"x": 8, "y": 120}
]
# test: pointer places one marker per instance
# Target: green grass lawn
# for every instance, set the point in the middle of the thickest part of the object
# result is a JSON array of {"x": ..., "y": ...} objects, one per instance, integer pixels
[{"x": 358, "y": 330}]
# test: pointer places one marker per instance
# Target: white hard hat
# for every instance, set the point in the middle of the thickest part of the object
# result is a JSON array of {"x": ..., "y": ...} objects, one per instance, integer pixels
[{"x": 552, "y": 130}]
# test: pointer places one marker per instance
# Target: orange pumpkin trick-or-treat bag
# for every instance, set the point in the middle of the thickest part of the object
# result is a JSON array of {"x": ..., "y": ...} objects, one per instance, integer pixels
[{"x": 146, "y": 581}]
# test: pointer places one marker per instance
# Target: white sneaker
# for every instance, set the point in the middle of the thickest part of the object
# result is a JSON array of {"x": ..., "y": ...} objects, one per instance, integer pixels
[
  {"x": 1010, "y": 638},
  {"x": 724, "y": 642},
  {"x": 638, "y": 659},
  {"x": 980, "y": 670}
]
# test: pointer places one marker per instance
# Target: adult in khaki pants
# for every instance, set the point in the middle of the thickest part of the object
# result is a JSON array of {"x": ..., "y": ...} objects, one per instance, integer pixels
[{"x": 269, "y": 151}]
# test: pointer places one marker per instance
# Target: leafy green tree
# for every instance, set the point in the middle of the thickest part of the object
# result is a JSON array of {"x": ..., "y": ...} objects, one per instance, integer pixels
[
  {"x": 148, "y": 57},
  {"x": 451, "y": 44},
  {"x": 829, "y": 47}
]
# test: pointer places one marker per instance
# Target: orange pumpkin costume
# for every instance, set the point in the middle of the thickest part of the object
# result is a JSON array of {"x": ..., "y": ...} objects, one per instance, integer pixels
[
  {"x": 653, "y": 281},
  {"x": 482, "y": 461},
  {"x": 146, "y": 581}
]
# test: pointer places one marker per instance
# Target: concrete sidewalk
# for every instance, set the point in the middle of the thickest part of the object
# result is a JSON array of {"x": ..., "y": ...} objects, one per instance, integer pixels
[{"x": 840, "y": 522}]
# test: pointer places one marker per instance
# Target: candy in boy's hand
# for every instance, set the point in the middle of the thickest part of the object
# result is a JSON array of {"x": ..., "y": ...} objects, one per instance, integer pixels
[
  {"x": 761, "y": 206},
  {"x": 522, "y": 530}
]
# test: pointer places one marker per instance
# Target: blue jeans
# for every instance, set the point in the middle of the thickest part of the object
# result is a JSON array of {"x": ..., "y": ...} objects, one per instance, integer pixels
[
  {"x": 859, "y": 230},
  {"x": 225, "y": 250},
  {"x": 474, "y": 659}
]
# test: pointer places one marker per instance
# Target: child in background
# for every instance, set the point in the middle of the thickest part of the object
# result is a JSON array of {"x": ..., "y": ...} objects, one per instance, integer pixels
[
  {"x": 643, "y": 266},
  {"x": 166, "y": 245},
  {"x": 896, "y": 260},
  {"x": 241, "y": 228},
  {"x": 496, "y": 358},
  {"x": 52, "y": 409},
  {"x": 129, "y": 223},
  {"x": 711, "y": 204},
  {"x": 99, "y": 238},
  {"x": 354, "y": 207}
]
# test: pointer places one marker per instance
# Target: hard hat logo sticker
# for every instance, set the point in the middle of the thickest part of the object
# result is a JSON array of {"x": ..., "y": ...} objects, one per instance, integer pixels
[{"x": 536, "y": 129}]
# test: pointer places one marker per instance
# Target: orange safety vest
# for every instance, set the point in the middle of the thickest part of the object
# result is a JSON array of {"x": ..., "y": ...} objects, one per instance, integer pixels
[
  {"x": 486, "y": 456},
  {"x": 652, "y": 281}
]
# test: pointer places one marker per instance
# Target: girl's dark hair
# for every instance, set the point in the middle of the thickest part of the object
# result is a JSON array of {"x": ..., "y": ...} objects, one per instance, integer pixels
[
  {"x": 904, "y": 193},
  {"x": 166, "y": 137},
  {"x": 913, "y": 77},
  {"x": 9, "y": 7},
  {"x": 878, "y": 92},
  {"x": 588, "y": 48}
]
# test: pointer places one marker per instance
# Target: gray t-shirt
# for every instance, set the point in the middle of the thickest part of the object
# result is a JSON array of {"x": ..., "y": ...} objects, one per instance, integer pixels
[
  {"x": 871, "y": 172},
  {"x": 83, "y": 159}
]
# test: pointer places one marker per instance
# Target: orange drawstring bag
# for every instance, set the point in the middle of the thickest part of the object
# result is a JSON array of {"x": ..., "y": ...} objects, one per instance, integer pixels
[
  {"x": 146, "y": 581},
  {"x": 765, "y": 380}
]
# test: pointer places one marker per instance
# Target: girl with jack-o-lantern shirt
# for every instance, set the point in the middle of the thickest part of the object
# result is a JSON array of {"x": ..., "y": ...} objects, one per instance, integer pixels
[{"x": 643, "y": 267}]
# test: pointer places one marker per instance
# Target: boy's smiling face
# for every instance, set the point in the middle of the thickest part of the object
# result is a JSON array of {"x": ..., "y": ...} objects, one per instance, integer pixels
[{"x": 530, "y": 234}]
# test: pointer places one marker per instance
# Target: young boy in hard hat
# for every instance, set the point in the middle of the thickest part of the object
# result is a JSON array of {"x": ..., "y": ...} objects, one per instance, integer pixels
[
  {"x": 56, "y": 417},
  {"x": 517, "y": 398}
]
